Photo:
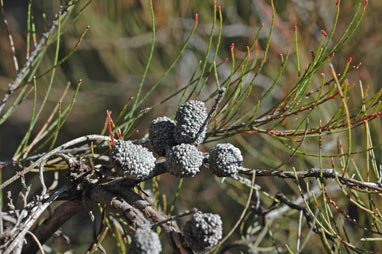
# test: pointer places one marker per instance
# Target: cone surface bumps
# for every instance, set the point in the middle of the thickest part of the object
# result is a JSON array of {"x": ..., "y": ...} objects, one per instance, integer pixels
[
  {"x": 203, "y": 231},
  {"x": 132, "y": 161},
  {"x": 161, "y": 134},
  {"x": 225, "y": 160},
  {"x": 145, "y": 241},
  {"x": 190, "y": 118},
  {"x": 184, "y": 160}
]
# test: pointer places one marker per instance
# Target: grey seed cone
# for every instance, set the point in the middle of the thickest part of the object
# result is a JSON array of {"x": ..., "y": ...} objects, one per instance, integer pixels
[
  {"x": 145, "y": 241},
  {"x": 184, "y": 160},
  {"x": 225, "y": 160},
  {"x": 161, "y": 133},
  {"x": 189, "y": 119},
  {"x": 132, "y": 161},
  {"x": 203, "y": 231}
]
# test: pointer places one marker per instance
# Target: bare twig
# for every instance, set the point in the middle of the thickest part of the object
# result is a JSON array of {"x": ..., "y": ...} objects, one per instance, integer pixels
[
  {"x": 243, "y": 212},
  {"x": 174, "y": 217},
  {"x": 9, "y": 37},
  {"x": 34, "y": 214},
  {"x": 211, "y": 113},
  {"x": 33, "y": 56},
  {"x": 51, "y": 153},
  {"x": 326, "y": 173},
  {"x": 41, "y": 176},
  {"x": 283, "y": 199},
  {"x": 46, "y": 124},
  {"x": 64, "y": 212},
  {"x": 37, "y": 242}
]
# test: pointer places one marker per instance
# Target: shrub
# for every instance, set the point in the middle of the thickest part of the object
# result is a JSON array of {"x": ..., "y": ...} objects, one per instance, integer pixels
[{"x": 311, "y": 181}]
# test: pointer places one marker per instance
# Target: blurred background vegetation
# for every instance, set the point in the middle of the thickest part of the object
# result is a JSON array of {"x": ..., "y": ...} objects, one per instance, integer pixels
[{"x": 112, "y": 56}]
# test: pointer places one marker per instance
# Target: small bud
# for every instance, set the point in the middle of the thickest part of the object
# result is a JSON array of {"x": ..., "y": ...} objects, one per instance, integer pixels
[
  {"x": 203, "y": 231},
  {"x": 196, "y": 17}
]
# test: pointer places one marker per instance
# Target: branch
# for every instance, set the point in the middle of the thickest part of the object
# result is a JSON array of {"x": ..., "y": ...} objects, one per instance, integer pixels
[
  {"x": 51, "y": 153},
  {"x": 326, "y": 173},
  {"x": 32, "y": 217},
  {"x": 63, "y": 213},
  {"x": 171, "y": 230},
  {"x": 109, "y": 199}
]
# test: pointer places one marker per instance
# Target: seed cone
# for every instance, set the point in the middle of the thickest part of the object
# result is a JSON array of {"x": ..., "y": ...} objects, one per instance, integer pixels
[
  {"x": 225, "y": 160},
  {"x": 184, "y": 160},
  {"x": 145, "y": 241},
  {"x": 203, "y": 231},
  {"x": 132, "y": 161},
  {"x": 161, "y": 133},
  {"x": 189, "y": 119}
]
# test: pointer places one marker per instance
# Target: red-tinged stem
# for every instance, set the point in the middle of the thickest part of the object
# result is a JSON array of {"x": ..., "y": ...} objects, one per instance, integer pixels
[
  {"x": 119, "y": 134},
  {"x": 109, "y": 121}
]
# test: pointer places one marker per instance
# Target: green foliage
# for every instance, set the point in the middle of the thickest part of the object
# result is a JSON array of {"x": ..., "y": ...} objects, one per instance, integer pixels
[{"x": 302, "y": 119}]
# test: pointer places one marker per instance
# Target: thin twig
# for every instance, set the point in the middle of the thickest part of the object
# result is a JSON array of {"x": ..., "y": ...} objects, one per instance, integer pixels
[
  {"x": 211, "y": 113},
  {"x": 243, "y": 212},
  {"x": 33, "y": 56},
  {"x": 46, "y": 124},
  {"x": 10, "y": 38},
  {"x": 34, "y": 214},
  {"x": 62, "y": 213},
  {"x": 299, "y": 232},
  {"x": 326, "y": 173},
  {"x": 51, "y": 153},
  {"x": 37, "y": 242},
  {"x": 174, "y": 217},
  {"x": 41, "y": 176}
]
